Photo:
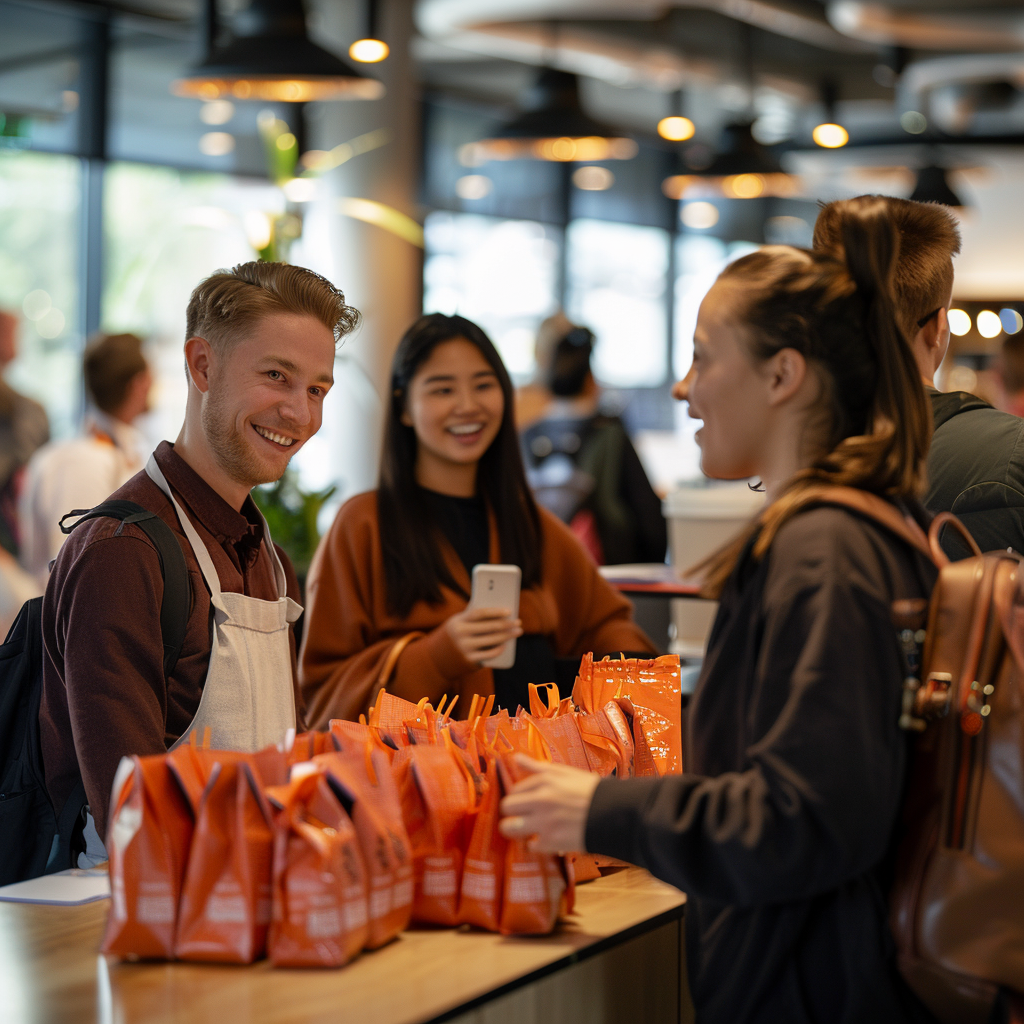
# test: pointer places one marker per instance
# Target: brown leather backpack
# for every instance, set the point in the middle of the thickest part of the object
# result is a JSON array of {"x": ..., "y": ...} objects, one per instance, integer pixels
[{"x": 957, "y": 905}]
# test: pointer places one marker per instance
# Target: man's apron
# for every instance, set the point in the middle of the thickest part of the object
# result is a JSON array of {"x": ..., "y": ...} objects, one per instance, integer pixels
[{"x": 248, "y": 700}]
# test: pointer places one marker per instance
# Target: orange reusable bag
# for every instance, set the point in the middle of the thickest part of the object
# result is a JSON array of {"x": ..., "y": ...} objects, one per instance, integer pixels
[
  {"x": 537, "y": 886},
  {"x": 449, "y": 803},
  {"x": 603, "y": 748},
  {"x": 653, "y": 687},
  {"x": 306, "y": 746},
  {"x": 483, "y": 872},
  {"x": 643, "y": 760},
  {"x": 363, "y": 780},
  {"x": 147, "y": 842},
  {"x": 319, "y": 916},
  {"x": 562, "y": 733},
  {"x": 226, "y": 898}
]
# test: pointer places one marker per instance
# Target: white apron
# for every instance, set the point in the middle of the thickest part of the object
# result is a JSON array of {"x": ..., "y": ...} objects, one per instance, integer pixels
[{"x": 248, "y": 699}]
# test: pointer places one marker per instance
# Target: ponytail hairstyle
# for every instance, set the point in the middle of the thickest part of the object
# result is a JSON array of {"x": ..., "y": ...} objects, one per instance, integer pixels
[
  {"x": 570, "y": 363},
  {"x": 836, "y": 309},
  {"x": 411, "y": 541}
]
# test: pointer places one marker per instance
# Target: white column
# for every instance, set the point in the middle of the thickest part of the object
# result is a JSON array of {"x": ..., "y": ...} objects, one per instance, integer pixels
[{"x": 380, "y": 273}]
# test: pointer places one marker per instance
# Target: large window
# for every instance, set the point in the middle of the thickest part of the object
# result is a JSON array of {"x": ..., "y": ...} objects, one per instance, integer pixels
[
  {"x": 39, "y": 203},
  {"x": 617, "y": 275},
  {"x": 502, "y": 274},
  {"x": 165, "y": 230}
]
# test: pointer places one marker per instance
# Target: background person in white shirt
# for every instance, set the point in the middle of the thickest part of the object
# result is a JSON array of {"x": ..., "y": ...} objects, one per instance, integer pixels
[{"x": 84, "y": 471}]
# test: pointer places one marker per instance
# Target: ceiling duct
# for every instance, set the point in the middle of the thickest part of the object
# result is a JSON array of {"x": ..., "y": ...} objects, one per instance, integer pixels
[
  {"x": 976, "y": 30},
  {"x": 552, "y": 33}
]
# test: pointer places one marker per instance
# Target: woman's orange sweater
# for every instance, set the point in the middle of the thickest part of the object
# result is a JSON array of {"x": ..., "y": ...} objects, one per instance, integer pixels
[{"x": 349, "y": 631}]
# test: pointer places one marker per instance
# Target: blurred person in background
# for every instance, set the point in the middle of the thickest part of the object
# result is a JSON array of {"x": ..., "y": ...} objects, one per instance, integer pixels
[
  {"x": 83, "y": 472},
  {"x": 388, "y": 590},
  {"x": 976, "y": 458},
  {"x": 583, "y": 467},
  {"x": 23, "y": 428},
  {"x": 533, "y": 399},
  {"x": 1010, "y": 375}
]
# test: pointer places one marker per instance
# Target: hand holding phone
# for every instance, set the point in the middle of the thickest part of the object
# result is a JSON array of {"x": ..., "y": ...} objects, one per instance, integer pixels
[{"x": 495, "y": 587}]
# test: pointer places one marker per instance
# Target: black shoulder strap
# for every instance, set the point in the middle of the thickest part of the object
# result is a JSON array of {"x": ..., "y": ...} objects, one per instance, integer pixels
[
  {"x": 177, "y": 600},
  {"x": 946, "y": 405}
]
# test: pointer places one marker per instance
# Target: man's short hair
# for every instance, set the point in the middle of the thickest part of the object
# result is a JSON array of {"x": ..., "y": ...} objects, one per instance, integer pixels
[
  {"x": 929, "y": 239},
  {"x": 110, "y": 364},
  {"x": 227, "y": 304}
]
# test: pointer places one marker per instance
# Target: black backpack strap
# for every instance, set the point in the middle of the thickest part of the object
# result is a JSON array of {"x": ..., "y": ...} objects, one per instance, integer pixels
[
  {"x": 68, "y": 841},
  {"x": 177, "y": 600}
]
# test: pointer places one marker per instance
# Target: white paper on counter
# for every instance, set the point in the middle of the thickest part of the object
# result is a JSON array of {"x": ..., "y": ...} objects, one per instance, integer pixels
[{"x": 65, "y": 888}]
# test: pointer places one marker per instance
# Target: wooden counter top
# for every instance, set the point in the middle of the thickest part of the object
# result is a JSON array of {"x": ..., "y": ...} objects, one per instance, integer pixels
[{"x": 50, "y": 970}]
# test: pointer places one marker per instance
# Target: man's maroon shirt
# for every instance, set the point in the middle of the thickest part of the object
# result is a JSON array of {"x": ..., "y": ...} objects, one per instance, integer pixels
[{"x": 104, "y": 691}]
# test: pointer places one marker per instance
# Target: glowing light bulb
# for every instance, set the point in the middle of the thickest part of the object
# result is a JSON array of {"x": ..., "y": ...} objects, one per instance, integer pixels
[
  {"x": 830, "y": 136},
  {"x": 368, "y": 51},
  {"x": 593, "y": 179},
  {"x": 959, "y": 322},
  {"x": 989, "y": 324},
  {"x": 676, "y": 129},
  {"x": 744, "y": 186},
  {"x": 699, "y": 216},
  {"x": 1011, "y": 320}
]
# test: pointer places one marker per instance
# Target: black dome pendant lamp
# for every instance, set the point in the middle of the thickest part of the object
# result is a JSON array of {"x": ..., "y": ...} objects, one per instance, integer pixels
[
  {"x": 554, "y": 126},
  {"x": 271, "y": 57},
  {"x": 933, "y": 186}
]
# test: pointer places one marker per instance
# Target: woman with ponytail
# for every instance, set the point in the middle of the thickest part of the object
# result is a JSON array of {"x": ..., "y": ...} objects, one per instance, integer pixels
[{"x": 781, "y": 831}]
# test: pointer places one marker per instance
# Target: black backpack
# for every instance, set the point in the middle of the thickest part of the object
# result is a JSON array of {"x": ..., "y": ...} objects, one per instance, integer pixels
[{"x": 35, "y": 837}]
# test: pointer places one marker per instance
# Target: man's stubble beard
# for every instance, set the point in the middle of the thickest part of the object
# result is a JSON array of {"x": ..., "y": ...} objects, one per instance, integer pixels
[{"x": 231, "y": 449}]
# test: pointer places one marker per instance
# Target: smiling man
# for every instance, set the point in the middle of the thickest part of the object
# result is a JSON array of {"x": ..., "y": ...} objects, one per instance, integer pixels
[{"x": 259, "y": 354}]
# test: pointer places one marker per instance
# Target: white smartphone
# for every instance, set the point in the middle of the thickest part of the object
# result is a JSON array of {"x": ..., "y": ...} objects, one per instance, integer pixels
[{"x": 497, "y": 586}]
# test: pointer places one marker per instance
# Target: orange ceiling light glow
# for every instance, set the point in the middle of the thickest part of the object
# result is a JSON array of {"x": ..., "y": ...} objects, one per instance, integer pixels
[
  {"x": 732, "y": 186},
  {"x": 830, "y": 136},
  {"x": 271, "y": 58},
  {"x": 553, "y": 126},
  {"x": 676, "y": 129}
]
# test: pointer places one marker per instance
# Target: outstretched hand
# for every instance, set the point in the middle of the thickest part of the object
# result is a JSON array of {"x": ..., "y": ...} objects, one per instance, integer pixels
[{"x": 551, "y": 804}]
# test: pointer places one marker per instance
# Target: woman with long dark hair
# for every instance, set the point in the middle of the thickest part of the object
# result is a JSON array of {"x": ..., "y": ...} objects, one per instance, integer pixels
[
  {"x": 781, "y": 831},
  {"x": 388, "y": 589}
]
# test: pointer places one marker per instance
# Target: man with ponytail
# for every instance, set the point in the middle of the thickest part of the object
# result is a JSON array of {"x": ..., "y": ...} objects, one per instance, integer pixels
[
  {"x": 782, "y": 829},
  {"x": 976, "y": 461}
]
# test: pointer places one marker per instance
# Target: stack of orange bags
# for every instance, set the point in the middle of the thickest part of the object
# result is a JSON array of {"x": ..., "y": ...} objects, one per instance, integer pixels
[{"x": 310, "y": 854}]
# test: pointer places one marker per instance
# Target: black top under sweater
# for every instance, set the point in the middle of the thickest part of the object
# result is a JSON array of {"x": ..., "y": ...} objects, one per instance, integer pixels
[
  {"x": 463, "y": 521},
  {"x": 781, "y": 831}
]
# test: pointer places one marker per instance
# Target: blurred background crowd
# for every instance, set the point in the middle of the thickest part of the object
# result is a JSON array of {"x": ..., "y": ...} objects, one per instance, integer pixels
[{"x": 570, "y": 174}]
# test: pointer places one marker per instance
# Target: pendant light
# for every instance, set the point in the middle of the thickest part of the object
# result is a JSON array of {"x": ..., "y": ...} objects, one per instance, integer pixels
[
  {"x": 743, "y": 168},
  {"x": 933, "y": 187},
  {"x": 270, "y": 57},
  {"x": 370, "y": 49},
  {"x": 553, "y": 126}
]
